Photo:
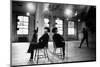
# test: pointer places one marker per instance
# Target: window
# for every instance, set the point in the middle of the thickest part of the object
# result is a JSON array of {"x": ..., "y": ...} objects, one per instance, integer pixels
[
  {"x": 46, "y": 22},
  {"x": 22, "y": 25},
  {"x": 59, "y": 25},
  {"x": 71, "y": 29}
]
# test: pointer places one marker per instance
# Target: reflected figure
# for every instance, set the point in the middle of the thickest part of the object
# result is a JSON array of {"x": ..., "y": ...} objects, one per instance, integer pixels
[
  {"x": 32, "y": 45},
  {"x": 59, "y": 41},
  {"x": 85, "y": 37}
]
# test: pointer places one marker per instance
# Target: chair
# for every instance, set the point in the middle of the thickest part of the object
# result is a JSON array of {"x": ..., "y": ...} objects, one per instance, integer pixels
[
  {"x": 37, "y": 53},
  {"x": 56, "y": 47}
]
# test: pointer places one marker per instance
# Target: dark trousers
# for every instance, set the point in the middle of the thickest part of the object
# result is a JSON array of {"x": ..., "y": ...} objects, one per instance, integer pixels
[
  {"x": 63, "y": 47},
  {"x": 84, "y": 38},
  {"x": 31, "y": 54}
]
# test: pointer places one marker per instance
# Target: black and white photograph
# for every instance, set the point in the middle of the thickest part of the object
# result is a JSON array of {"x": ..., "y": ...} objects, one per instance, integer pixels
[{"x": 44, "y": 33}]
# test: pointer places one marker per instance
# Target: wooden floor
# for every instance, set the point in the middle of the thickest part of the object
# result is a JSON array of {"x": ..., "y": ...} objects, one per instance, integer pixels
[{"x": 73, "y": 53}]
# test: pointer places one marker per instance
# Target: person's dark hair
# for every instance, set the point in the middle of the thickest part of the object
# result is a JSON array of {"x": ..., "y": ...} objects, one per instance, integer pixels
[
  {"x": 35, "y": 31},
  {"x": 48, "y": 29},
  {"x": 84, "y": 28},
  {"x": 54, "y": 30}
]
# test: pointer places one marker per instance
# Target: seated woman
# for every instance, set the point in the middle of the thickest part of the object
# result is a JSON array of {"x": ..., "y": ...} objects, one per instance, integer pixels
[{"x": 58, "y": 40}]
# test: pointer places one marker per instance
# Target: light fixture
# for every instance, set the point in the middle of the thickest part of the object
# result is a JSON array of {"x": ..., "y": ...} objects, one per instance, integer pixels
[
  {"x": 68, "y": 12},
  {"x": 76, "y": 13},
  {"x": 67, "y": 19},
  {"x": 31, "y": 7},
  {"x": 28, "y": 14},
  {"x": 78, "y": 20}
]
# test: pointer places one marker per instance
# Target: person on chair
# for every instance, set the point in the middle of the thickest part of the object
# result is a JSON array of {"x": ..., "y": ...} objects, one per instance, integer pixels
[
  {"x": 43, "y": 40},
  {"x": 58, "y": 40}
]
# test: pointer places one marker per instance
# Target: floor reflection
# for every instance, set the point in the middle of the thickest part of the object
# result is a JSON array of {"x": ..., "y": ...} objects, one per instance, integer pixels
[{"x": 73, "y": 53}]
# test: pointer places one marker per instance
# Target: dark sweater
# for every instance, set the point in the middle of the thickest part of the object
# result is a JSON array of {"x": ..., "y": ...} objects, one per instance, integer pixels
[{"x": 58, "y": 39}]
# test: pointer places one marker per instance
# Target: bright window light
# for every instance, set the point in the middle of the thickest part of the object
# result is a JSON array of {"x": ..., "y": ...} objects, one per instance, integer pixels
[
  {"x": 22, "y": 25},
  {"x": 46, "y": 7},
  {"x": 46, "y": 22},
  {"x": 71, "y": 29},
  {"x": 59, "y": 25},
  {"x": 70, "y": 24}
]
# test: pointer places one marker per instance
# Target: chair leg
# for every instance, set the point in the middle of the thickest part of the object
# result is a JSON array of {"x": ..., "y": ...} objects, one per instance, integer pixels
[
  {"x": 54, "y": 50},
  {"x": 47, "y": 54},
  {"x": 38, "y": 56},
  {"x": 35, "y": 54},
  {"x": 61, "y": 52},
  {"x": 44, "y": 53}
]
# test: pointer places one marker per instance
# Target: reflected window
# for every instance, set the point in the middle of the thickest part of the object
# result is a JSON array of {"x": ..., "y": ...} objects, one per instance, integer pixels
[
  {"x": 71, "y": 29},
  {"x": 22, "y": 25},
  {"x": 59, "y": 25}
]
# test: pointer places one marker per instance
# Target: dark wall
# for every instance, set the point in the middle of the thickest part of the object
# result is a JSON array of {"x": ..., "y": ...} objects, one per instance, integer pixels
[
  {"x": 13, "y": 27},
  {"x": 91, "y": 19}
]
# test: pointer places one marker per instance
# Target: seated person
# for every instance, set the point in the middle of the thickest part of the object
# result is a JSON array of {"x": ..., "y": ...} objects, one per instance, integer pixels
[
  {"x": 58, "y": 40},
  {"x": 43, "y": 41}
]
